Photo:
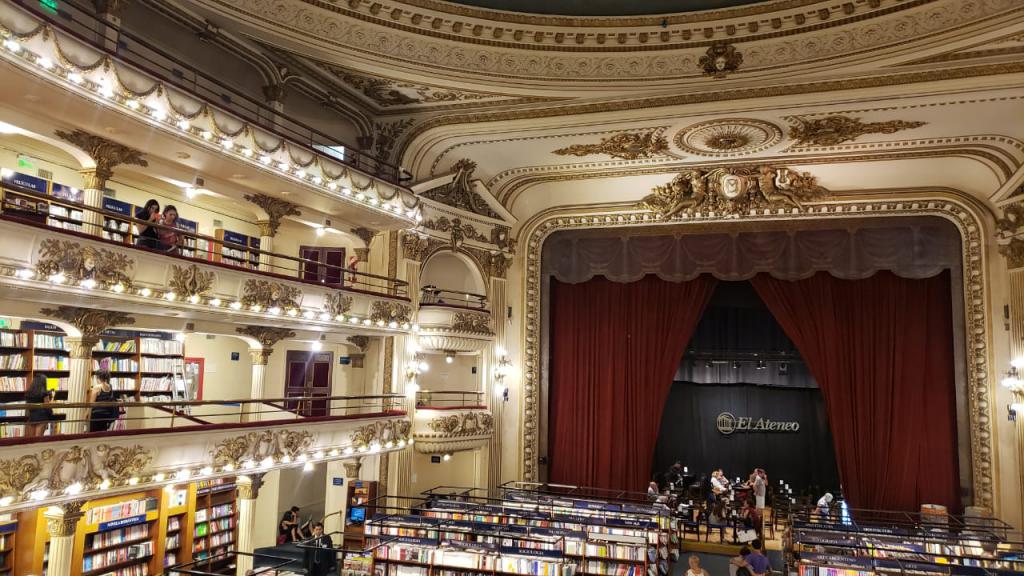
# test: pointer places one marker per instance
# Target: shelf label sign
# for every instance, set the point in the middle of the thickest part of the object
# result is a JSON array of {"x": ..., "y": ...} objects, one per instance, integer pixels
[
  {"x": 122, "y": 522},
  {"x": 727, "y": 424},
  {"x": 31, "y": 182},
  {"x": 530, "y": 552}
]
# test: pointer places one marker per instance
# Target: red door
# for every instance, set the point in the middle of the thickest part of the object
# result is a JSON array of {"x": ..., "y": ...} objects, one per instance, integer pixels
[{"x": 308, "y": 376}]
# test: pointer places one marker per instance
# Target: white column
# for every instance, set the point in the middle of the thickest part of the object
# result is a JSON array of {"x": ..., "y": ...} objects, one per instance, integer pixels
[
  {"x": 60, "y": 524},
  {"x": 260, "y": 357},
  {"x": 495, "y": 401},
  {"x": 78, "y": 384},
  {"x": 92, "y": 196},
  {"x": 336, "y": 498},
  {"x": 1016, "y": 300},
  {"x": 266, "y": 245},
  {"x": 401, "y": 477},
  {"x": 248, "y": 491}
]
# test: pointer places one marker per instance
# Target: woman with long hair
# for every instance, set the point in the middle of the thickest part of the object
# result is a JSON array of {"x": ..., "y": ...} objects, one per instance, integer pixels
[
  {"x": 168, "y": 237},
  {"x": 38, "y": 418},
  {"x": 102, "y": 417},
  {"x": 147, "y": 235}
]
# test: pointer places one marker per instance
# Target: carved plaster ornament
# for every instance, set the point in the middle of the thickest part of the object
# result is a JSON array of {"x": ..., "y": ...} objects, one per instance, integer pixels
[
  {"x": 728, "y": 137},
  {"x": 457, "y": 228},
  {"x": 387, "y": 134},
  {"x": 625, "y": 145},
  {"x": 77, "y": 263},
  {"x": 459, "y": 193},
  {"x": 257, "y": 446},
  {"x": 472, "y": 322},
  {"x": 734, "y": 190},
  {"x": 337, "y": 303},
  {"x": 381, "y": 432},
  {"x": 502, "y": 238},
  {"x": 385, "y": 311},
  {"x": 55, "y": 470},
  {"x": 267, "y": 337},
  {"x": 361, "y": 342},
  {"x": 105, "y": 153},
  {"x": 190, "y": 281},
  {"x": 414, "y": 246},
  {"x": 463, "y": 424},
  {"x": 267, "y": 294},
  {"x": 276, "y": 209},
  {"x": 1010, "y": 234},
  {"x": 494, "y": 264},
  {"x": 833, "y": 130},
  {"x": 90, "y": 321},
  {"x": 720, "y": 60},
  {"x": 364, "y": 234}
]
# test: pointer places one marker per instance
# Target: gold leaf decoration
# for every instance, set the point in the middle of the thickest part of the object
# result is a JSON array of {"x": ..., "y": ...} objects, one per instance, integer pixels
[
  {"x": 720, "y": 60},
  {"x": 626, "y": 145},
  {"x": 459, "y": 192},
  {"x": 190, "y": 280},
  {"x": 463, "y": 424},
  {"x": 77, "y": 263},
  {"x": 267, "y": 294},
  {"x": 90, "y": 321},
  {"x": 386, "y": 311},
  {"x": 836, "y": 129},
  {"x": 337, "y": 303},
  {"x": 18, "y": 473},
  {"x": 472, "y": 322},
  {"x": 276, "y": 209}
]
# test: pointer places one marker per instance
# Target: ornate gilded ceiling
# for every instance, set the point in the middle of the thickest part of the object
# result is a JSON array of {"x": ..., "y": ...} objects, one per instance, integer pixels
[{"x": 604, "y": 7}]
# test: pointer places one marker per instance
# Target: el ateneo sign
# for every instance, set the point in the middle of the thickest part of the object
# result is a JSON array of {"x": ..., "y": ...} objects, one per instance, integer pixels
[{"x": 727, "y": 424}]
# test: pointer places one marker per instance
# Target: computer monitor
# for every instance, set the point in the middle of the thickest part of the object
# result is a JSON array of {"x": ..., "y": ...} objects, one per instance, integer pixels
[{"x": 357, "y": 515}]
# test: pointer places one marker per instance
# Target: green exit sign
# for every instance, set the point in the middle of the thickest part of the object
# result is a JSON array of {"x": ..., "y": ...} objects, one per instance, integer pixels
[{"x": 50, "y": 5}]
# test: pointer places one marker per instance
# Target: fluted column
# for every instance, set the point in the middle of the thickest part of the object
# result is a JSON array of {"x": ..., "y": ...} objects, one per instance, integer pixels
[
  {"x": 248, "y": 491},
  {"x": 496, "y": 401},
  {"x": 1016, "y": 295},
  {"x": 260, "y": 357},
  {"x": 78, "y": 383},
  {"x": 61, "y": 522},
  {"x": 92, "y": 196},
  {"x": 266, "y": 246},
  {"x": 402, "y": 460}
]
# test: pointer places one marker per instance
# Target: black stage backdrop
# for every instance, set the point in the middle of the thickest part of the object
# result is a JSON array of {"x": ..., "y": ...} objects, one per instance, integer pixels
[{"x": 689, "y": 433}]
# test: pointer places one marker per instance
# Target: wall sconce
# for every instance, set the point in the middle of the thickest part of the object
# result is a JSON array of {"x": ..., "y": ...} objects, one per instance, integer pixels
[
  {"x": 501, "y": 371},
  {"x": 1015, "y": 385}
]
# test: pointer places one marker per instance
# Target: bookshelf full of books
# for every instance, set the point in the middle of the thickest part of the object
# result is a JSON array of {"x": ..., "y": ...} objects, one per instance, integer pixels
[
  {"x": 119, "y": 537},
  {"x": 215, "y": 523},
  {"x": 826, "y": 548},
  {"x": 236, "y": 249},
  {"x": 54, "y": 207},
  {"x": 8, "y": 531},
  {"x": 23, "y": 354},
  {"x": 140, "y": 363}
]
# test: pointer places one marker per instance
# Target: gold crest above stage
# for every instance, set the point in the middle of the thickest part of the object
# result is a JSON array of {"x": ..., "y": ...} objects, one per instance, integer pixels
[{"x": 733, "y": 190}]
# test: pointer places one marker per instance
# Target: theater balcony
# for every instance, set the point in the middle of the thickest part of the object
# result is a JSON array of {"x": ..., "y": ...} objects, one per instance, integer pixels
[
  {"x": 449, "y": 421},
  {"x": 178, "y": 447},
  {"x": 455, "y": 321},
  {"x": 42, "y": 263},
  {"x": 183, "y": 121}
]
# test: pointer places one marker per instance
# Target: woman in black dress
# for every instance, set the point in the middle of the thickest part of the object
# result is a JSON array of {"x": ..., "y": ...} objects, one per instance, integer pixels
[
  {"x": 148, "y": 237},
  {"x": 38, "y": 418},
  {"x": 102, "y": 417}
]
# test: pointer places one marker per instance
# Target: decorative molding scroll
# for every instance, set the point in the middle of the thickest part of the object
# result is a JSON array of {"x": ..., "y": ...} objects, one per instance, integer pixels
[
  {"x": 720, "y": 60},
  {"x": 463, "y": 424},
  {"x": 361, "y": 342},
  {"x": 337, "y": 303},
  {"x": 963, "y": 214},
  {"x": 458, "y": 229},
  {"x": 105, "y": 153},
  {"x": 459, "y": 192},
  {"x": 191, "y": 280},
  {"x": 472, "y": 322},
  {"x": 78, "y": 263},
  {"x": 833, "y": 130},
  {"x": 276, "y": 209},
  {"x": 733, "y": 190},
  {"x": 266, "y": 335},
  {"x": 502, "y": 238},
  {"x": 381, "y": 432},
  {"x": 625, "y": 145},
  {"x": 387, "y": 134},
  {"x": 257, "y": 446},
  {"x": 386, "y": 92},
  {"x": 493, "y": 264},
  {"x": 364, "y": 234},
  {"x": 1010, "y": 234},
  {"x": 55, "y": 470},
  {"x": 267, "y": 294},
  {"x": 90, "y": 321},
  {"x": 384, "y": 311}
]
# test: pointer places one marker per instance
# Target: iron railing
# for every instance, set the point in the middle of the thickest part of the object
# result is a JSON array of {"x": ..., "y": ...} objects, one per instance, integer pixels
[
  {"x": 26, "y": 206},
  {"x": 434, "y": 296},
  {"x": 449, "y": 399},
  {"x": 151, "y": 60}
]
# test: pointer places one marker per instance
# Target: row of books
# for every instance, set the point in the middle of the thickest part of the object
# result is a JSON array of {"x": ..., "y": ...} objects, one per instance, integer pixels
[
  {"x": 222, "y": 538},
  {"x": 64, "y": 224},
  {"x": 117, "y": 556},
  {"x": 14, "y": 339},
  {"x": 607, "y": 569},
  {"x": 154, "y": 384},
  {"x": 117, "y": 364},
  {"x": 65, "y": 212},
  {"x": 136, "y": 570},
  {"x": 125, "y": 509},
  {"x": 12, "y": 362},
  {"x": 49, "y": 341},
  {"x": 115, "y": 346},
  {"x": 60, "y": 363},
  {"x": 127, "y": 534},
  {"x": 615, "y": 552},
  {"x": 158, "y": 346},
  {"x": 12, "y": 383},
  {"x": 806, "y": 570},
  {"x": 535, "y": 567},
  {"x": 122, "y": 383},
  {"x": 158, "y": 365},
  {"x": 172, "y": 542}
]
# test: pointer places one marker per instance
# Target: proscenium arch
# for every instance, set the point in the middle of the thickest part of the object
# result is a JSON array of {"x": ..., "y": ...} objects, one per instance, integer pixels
[{"x": 964, "y": 212}]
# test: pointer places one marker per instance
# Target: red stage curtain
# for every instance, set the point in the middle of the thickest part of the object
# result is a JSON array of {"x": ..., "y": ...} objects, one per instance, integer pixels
[
  {"x": 881, "y": 349},
  {"x": 614, "y": 350}
]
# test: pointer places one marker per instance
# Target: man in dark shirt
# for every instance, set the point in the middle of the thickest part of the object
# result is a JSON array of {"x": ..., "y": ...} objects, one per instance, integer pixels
[{"x": 321, "y": 558}]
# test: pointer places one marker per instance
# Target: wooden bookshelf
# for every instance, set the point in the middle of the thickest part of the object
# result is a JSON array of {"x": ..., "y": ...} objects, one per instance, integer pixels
[
  {"x": 243, "y": 250},
  {"x": 215, "y": 526},
  {"x": 140, "y": 363},
  {"x": 23, "y": 354},
  {"x": 54, "y": 211},
  {"x": 119, "y": 535},
  {"x": 8, "y": 535}
]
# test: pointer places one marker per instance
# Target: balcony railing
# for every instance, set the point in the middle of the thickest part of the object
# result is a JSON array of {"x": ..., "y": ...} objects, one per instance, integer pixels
[
  {"x": 449, "y": 399},
  {"x": 434, "y": 296},
  {"x": 26, "y": 206},
  {"x": 184, "y": 415},
  {"x": 134, "y": 50}
]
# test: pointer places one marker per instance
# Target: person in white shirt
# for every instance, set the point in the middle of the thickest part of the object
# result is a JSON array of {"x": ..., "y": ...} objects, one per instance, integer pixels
[
  {"x": 824, "y": 503},
  {"x": 759, "y": 488},
  {"x": 695, "y": 569}
]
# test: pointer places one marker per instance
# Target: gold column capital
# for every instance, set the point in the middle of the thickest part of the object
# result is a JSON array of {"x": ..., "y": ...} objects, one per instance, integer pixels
[
  {"x": 62, "y": 519},
  {"x": 90, "y": 321},
  {"x": 276, "y": 209},
  {"x": 105, "y": 153},
  {"x": 249, "y": 486},
  {"x": 353, "y": 467},
  {"x": 260, "y": 356}
]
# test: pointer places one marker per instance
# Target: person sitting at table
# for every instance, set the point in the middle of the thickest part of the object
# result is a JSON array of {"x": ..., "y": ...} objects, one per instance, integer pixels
[
  {"x": 674, "y": 476},
  {"x": 695, "y": 569},
  {"x": 652, "y": 491}
]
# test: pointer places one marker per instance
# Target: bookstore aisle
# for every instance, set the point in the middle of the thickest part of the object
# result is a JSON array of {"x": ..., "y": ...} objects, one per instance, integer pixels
[{"x": 137, "y": 534}]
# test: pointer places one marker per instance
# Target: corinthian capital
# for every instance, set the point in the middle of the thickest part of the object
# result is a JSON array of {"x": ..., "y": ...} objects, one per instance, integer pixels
[{"x": 105, "y": 153}]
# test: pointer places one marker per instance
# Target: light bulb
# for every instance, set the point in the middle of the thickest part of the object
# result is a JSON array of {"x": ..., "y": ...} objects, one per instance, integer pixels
[
  {"x": 133, "y": 104},
  {"x": 170, "y": 296},
  {"x": 45, "y": 62},
  {"x": 348, "y": 450},
  {"x": 119, "y": 288},
  {"x": 39, "y": 494},
  {"x": 134, "y": 480},
  {"x": 75, "y": 77},
  {"x": 6, "y": 500},
  {"x": 424, "y": 367},
  {"x": 308, "y": 467},
  {"x": 446, "y": 457},
  {"x": 206, "y": 134},
  {"x": 206, "y": 470},
  {"x": 316, "y": 346},
  {"x": 88, "y": 283},
  {"x": 448, "y": 359},
  {"x": 184, "y": 125},
  {"x": 12, "y": 45},
  {"x": 73, "y": 489},
  {"x": 1018, "y": 362},
  {"x": 255, "y": 308},
  {"x": 158, "y": 113},
  {"x": 292, "y": 312},
  {"x": 320, "y": 231},
  {"x": 236, "y": 305},
  {"x": 190, "y": 192},
  {"x": 274, "y": 310},
  {"x": 105, "y": 484},
  {"x": 194, "y": 298},
  {"x": 300, "y": 173},
  {"x": 145, "y": 292},
  {"x": 215, "y": 302},
  {"x": 25, "y": 273},
  {"x": 325, "y": 316},
  {"x": 159, "y": 477},
  {"x": 308, "y": 314},
  {"x": 58, "y": 278}
]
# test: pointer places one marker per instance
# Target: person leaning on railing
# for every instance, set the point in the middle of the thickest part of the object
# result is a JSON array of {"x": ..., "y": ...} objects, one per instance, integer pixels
[
  {"x": 38, "y": 418},
  {"x": 102, "y": 417},
  {"x": 168, "y": 236},
  {"x": 150, "y": 212}
]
